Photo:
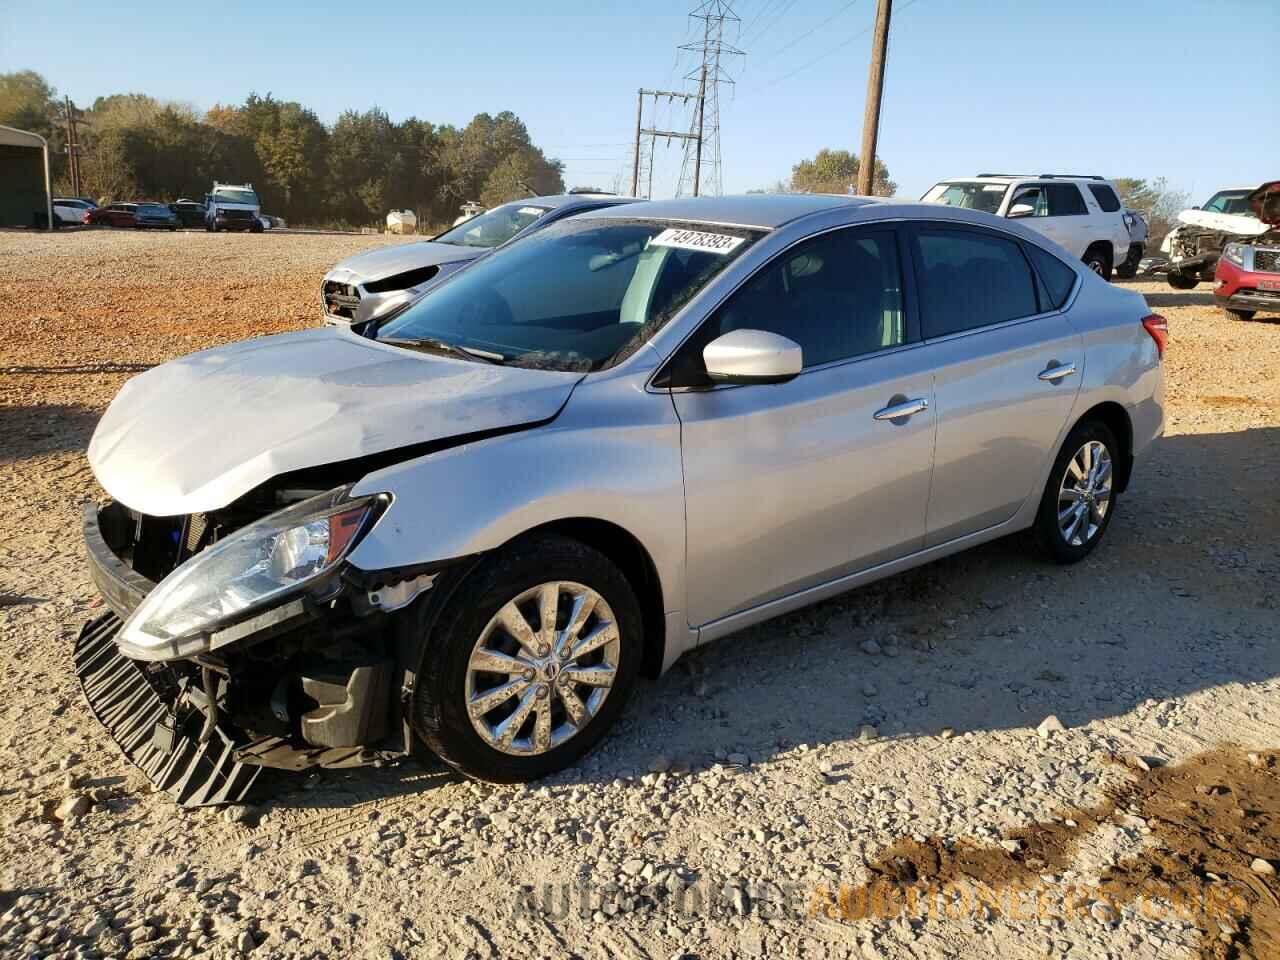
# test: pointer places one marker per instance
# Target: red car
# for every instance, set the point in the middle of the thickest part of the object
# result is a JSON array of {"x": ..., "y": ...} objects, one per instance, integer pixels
[
  {"x": 113, "y": 215},
  {"x": 1247, "y": 277}
]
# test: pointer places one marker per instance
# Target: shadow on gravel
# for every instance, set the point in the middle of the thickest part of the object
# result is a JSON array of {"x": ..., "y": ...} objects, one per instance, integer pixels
[
  {"x": 30, "y": 431},
  {"x": 1180, "y": 299},
  {"x": 1181, "y": 597}
]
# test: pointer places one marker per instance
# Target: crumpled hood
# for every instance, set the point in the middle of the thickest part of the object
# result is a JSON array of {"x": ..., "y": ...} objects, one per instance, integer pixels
[
  {"x": 197, "y": 433},
  {"x": 387, "y": 261}
]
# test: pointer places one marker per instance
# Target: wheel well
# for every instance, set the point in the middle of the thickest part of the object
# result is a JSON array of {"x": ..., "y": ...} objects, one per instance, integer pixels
[
  {"x": 1105, "y": 247},
  {"x": 1117, "y": 420},
  {"x": 636, "y": 565}
]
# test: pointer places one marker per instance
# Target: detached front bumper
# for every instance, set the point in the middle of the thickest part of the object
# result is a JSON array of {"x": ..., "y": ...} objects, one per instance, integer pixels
[
  {"x": 129, "y": 700},
  {"x": 200, "y": 727}
]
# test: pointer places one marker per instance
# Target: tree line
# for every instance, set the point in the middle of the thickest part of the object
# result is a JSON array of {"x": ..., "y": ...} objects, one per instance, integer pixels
[{"x": 134, "y": 146}]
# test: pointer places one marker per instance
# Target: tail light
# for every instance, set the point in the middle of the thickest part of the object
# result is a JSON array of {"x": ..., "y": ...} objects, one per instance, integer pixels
[{"x": 1158, "y": 327}]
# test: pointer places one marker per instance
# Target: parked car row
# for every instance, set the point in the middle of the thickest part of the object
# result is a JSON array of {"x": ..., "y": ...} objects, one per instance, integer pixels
[
  {"x": 473, "y": 518},
  {"x": 226, "y": 207}
]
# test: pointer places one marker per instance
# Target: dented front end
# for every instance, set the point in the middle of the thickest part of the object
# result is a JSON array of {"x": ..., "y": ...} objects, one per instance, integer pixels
[{"x": 305, "y": 678}]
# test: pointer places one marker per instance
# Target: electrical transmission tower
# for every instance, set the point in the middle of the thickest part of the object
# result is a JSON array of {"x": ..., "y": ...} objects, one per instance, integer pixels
[{"x": 701, "y": 170}]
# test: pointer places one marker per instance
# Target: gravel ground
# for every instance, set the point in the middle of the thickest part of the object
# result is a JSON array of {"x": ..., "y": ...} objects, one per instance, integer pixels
[{"x": 986, "y": 723}]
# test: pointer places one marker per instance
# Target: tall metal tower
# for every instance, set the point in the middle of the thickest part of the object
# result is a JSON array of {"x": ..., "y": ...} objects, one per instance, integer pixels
[{"x": 701, "y": 171}]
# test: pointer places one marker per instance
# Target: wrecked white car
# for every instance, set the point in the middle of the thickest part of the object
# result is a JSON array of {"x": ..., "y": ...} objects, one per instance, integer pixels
[{"x": 1195, "y": 246}]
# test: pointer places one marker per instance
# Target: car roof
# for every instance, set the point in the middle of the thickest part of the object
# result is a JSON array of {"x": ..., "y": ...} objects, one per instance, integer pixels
[
  {"x": 764, "y": 210},
  {"x": 560, "y": 200}
]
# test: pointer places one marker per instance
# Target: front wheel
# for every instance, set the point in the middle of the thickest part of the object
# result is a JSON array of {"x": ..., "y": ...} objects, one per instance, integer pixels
[
  {"x": 1182, "y": 281},
  {"x": 530, "y": 662},
  {"x": 1079, "y": 499},
  {"x": 1128, "y": 269}
]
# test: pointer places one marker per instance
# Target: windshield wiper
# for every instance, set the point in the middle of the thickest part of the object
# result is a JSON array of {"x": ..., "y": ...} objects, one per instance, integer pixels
[{"x": 444, "y": 346}]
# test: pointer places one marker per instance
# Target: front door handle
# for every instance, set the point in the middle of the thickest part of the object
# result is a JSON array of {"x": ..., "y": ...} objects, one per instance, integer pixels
[
  {"x": 1055, "y": 373},
  {"x": 900, "y": 411}
]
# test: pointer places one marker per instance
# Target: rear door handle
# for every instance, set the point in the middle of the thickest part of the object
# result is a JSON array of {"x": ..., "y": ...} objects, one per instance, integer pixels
[
  {"x": 1054, "y": 374},
  {"x": 900, "y": 411}
]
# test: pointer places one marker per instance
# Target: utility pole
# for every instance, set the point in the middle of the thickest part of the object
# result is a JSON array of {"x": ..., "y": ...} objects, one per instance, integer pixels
[
  {"x": 875, "y": 90},
  {"x": 73, "y": 147},
  {"x": 652, "y": 133},
  {"x": 702, "y": 109},
  {"x": 635, "y": 170}
]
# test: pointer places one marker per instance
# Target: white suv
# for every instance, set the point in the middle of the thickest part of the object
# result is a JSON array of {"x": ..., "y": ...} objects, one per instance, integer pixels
[{"x": 1082, "y": 214}]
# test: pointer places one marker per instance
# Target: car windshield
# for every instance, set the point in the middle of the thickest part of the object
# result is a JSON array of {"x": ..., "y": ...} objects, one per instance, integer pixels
[
  {"x": 1229, "y": 201},
  {"x": 493, "y": 228},
  {"x": 152, "y": 208},
  {"x": 235, "y": 196},
  {"x": 578, "y": 295},
  {"x": 971, "y": 196}
]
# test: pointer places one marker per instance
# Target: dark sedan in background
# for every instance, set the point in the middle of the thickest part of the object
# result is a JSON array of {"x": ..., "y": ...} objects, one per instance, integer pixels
[
  {"x": 140, "y": 215},
  {"x": 189, "y": 213}
]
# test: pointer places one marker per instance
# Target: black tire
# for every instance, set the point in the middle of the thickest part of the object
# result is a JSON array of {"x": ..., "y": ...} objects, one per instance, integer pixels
[
  {"x": 1098, "y": 259},
  {"x": 1047, "y": 530},
  {"x": 256, "y": 228},
  {"x": 1239, "y": 314},
  {"x": 1128, "y": 269},
  {"x": 1182, "y": 281},
  {"x": 439, "y": 715}
]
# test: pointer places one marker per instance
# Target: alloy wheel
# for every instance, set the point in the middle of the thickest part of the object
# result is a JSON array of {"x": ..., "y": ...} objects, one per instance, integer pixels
[
  {"x": 1085, "y": 494},
  {"x": 542, "y": 668}
]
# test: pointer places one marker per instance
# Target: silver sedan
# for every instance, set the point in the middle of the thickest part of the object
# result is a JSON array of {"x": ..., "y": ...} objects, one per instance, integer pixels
[
  {"x": 625, "y": 435},
  {"x": 370, "y": 285}
]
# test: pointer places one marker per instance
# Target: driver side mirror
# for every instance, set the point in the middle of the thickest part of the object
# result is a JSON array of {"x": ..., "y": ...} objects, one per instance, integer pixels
[
  {"x": 1021, "y": 210},
  {"x": 752, "y": 356}
]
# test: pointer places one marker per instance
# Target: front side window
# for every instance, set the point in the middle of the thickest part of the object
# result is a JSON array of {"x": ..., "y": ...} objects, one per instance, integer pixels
[
  {"x": 577, "y": 295},
  {"x": 838, "y": 296},
  {"x": 1105, "y": 196},
  {"x": 969, "y": 279},
  {"x": 495, "y": 227},
  {"x": 1065, "y": 200},
  {"x": 1029, "y": 202},
  {"x": 969, "y": 196}
]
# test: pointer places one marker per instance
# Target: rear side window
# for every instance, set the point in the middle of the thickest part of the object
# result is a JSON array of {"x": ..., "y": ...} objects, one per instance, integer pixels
[
  {"x": 970, "y": 279},
  {"x": 1058, "y": 278},
  {"x": 1106, "y": 197},
  {"x": 1065, "y": 200}
]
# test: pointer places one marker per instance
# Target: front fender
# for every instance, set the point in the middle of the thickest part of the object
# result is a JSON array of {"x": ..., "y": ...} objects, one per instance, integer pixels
[{"x": 613, "y": 454}]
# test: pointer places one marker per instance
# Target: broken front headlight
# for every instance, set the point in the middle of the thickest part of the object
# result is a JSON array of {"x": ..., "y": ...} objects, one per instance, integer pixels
[{"x": 258, "y": 566}]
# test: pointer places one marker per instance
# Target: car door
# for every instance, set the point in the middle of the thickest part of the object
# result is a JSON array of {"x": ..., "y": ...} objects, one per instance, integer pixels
[
  {"x": 1069, "y": 218},
  {"x": 790, "y": 485},
  {"x": 1007, "y": 366}
]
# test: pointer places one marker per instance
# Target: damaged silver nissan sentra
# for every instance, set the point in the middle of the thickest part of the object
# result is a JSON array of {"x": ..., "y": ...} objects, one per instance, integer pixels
[{"x": 475, "y": 524}]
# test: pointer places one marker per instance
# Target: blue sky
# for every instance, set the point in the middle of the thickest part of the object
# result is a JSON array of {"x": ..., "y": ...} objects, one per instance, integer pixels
[{"x": 1184, "y": 90}]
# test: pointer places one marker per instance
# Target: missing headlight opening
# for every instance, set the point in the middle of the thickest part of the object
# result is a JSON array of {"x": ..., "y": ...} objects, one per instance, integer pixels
[{"x": 236, "y": 640}]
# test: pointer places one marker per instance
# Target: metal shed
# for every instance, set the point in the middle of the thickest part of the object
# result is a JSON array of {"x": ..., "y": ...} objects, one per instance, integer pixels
[{"x": 25, "y": 200}]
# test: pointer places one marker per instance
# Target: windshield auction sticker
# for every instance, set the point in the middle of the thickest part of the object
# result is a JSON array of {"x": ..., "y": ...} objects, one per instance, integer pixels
[{"x": 696, "y": 240}]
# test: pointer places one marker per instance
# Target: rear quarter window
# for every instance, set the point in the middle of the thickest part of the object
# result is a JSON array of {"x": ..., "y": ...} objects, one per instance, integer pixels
[
  {"x": 1106, "y": 197},
  {"x": 1057, "y": 277}
]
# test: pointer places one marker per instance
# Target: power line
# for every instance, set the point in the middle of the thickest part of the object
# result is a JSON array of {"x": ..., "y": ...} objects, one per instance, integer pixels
[
  {"x": 818, "y": 59},
  {"x": 768, "y": 24},
  {"x": 809, "y": 33}
]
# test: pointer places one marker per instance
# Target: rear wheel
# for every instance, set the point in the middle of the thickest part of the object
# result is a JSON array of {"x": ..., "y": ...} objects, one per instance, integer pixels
[
  {"x": 1182, "y": 281},
  {"x": 1098, "y": 259},
  {"x": 530, "y": 662},
  {"x": 1239, "y": 314},
  {"x": 1079, "y": 498}
]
